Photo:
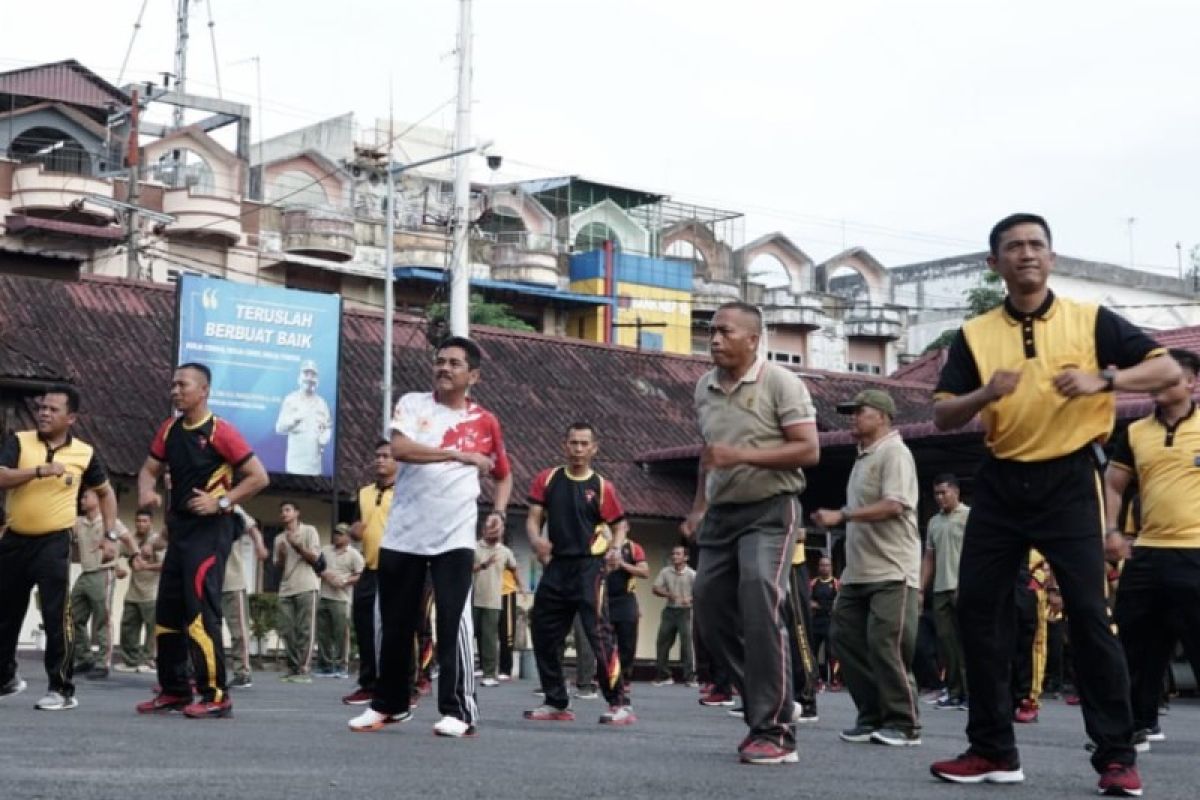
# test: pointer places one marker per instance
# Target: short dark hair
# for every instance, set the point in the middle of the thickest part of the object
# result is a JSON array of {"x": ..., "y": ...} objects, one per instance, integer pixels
[
  {"x": 68, "y": 391},
  {"x": 381, "y": 442},
  {"x": 196, "y": 365},
  {"x": 1012, "y": 221},
  {"x": 474, "y": 354},
  {"x": 144, "y": 512},
  {"x": 945, "y": 479},
  {"x": 1186, "y": 359},
  {"x": 291, "y": 503},
  {"x": 580, "y": 425},
  {"x": 745, "y": 308}
]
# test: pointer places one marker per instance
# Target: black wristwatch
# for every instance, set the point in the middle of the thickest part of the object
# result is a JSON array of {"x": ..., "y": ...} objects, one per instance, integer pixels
[
  {"x": 111, "y": 535},
  {"x": 1109, "y": 375}
]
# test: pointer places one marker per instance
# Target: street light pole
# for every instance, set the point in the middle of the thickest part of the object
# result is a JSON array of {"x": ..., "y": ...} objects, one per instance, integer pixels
[{"x": 460, "y": 279}]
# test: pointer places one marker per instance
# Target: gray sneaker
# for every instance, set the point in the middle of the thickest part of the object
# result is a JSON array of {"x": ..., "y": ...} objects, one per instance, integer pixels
[
  {"x": 53, "y": 701},
  {"x": 859, "y": 734},
  {"x": 895, "y": 738},
  {"x": 15, "y": 685}
]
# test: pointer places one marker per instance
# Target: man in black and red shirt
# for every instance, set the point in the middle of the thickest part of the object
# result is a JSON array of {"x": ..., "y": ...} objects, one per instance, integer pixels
[
  {"x": 572, "y": 501},
  {"x": 625, "y": 564},
  {"x": 202, "y": 453}
]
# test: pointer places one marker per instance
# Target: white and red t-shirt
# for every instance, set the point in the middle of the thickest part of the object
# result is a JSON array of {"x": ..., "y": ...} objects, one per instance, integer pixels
[{"x": 434, "y": 505}]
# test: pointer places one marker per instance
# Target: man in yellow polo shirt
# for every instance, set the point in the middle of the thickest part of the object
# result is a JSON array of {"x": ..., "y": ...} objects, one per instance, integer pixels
[
  {"x": 374, "y": 503},
  {"x": 1040, "y": 371},
  {"x": 1160, "y": 583},
  {"x": 42, "y": 472}
]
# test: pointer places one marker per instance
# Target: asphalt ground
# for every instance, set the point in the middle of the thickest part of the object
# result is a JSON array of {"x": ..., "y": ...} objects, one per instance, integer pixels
[{"x": 291, "y": 741}]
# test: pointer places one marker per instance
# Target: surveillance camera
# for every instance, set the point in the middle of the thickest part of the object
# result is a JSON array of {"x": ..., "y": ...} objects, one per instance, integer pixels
[{"x": 494, "y": 162}]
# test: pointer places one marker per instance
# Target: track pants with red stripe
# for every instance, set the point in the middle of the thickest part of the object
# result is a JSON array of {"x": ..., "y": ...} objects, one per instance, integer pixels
[
  {"x": 571, "y": 586},
  {"x": 188, "y": 608}
]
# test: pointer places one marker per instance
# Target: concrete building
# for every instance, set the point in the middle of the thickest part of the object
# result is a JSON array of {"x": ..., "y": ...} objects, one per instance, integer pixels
[{"x": 931, "y": 294}]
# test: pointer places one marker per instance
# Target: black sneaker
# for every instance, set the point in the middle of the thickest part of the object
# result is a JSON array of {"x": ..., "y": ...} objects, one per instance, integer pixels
[
  {"x": 1155, "y": 734},
  {"x": 97, "y": 674},
  {"x": 241, "y": 682},
  {"x": 859, "y": 734},
  {"x": 14, "y": 686}
]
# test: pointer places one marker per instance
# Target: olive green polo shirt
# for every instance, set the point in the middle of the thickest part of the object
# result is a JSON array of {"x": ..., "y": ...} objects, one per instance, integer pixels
[
  {"x": 889, "y": 550},
  {"x": 754, "y": 414},
  {"x": 945, "y": 538}
]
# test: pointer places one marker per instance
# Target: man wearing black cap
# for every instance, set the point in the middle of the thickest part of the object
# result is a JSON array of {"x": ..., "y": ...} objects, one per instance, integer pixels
[{"x": 875, "y": 616}]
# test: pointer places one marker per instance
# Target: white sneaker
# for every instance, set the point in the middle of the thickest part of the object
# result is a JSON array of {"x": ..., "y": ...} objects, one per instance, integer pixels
[
  {"x": 453, "y": 727},
  {"x": 663, "y": 682},
  {"x": 618, "y": 716},
  {"x": 489, "y": 682},
  {"x": 53, "y": 701},
  {"x": 123, "y": 667},
  {"x": 146, "y": 669},
  {"x": 372, "y": 720}
]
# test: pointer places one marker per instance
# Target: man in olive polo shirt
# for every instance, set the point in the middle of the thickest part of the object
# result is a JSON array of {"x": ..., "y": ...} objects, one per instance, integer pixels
[
  {"x": 875, "y": 616},
  {"x": 297, "y": 550},
  {"x": 939, "y": 568},
  {"x": 42, "y": 472},
  {"x": 1158, "y": 598},
  {"x": 374, "y": 503},
  {"x": 234, "y": 602},
  {"x": 759, "y": 429},
  {"x": 1040, "y": 371}
]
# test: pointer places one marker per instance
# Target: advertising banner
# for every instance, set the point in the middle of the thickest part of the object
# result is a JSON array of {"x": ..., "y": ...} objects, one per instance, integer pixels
[{"x": 274, "y": 356}]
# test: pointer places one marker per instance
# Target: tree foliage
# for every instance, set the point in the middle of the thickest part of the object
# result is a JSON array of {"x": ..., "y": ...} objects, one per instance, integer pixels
[{"x": 482, "y": 312}]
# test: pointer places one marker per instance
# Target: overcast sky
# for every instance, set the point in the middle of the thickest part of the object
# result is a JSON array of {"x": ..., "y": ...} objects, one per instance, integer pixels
[{"x": 904, "y": 127}]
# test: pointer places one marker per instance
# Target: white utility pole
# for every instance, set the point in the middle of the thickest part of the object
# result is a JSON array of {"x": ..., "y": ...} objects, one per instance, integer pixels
[
  {"x": 181, "y": 48},
  {"x": 460, "y": 277},
  {"x": 1131, "y": 221},
  {"x": 389, "y": 275}
]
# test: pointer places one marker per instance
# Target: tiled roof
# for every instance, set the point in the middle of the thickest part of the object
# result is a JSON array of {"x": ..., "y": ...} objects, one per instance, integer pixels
[
  {"x": 924, "y": 369},
  {"x": 114, "y": 340},
  {"x": 1186, "y": 338}
]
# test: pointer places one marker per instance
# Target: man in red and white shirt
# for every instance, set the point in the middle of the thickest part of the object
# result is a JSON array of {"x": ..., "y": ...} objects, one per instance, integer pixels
[{"x": 444, "y": 442}]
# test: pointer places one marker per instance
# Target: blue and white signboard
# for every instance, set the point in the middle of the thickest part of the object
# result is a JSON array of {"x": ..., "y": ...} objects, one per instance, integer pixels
[{"x": 274, "y": 358}]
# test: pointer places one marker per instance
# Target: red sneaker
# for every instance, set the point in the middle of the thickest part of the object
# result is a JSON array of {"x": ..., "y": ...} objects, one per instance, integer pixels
[
  {"x": 164, "y": 704},
  {"x": 1119, "y": 780},
  {"x": 550, "y": 714},
  {"x": 972, "y": 768},
  {"x": 359, "y": 697},
  {"x": 210, "y": 708},
  {"x": 761, "y": 751},
  {"x": 716, "y": 699},
  {"x": 1071, "y": 699},
  {"x": 1027, "y": 711}
]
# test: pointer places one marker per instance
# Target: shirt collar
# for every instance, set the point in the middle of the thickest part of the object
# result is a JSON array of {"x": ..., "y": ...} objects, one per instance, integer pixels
[
  {"x": 752, "y": 375},
  {"x": 1043, "y": 312},
  {"x": 1158, "y": 417},
  {"x": 46, "y": 442},
  {"x": 866, "y": 451}
]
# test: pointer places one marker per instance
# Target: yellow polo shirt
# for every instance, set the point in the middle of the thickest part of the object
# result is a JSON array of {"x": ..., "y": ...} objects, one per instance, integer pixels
[
  {"x": 49, "y": 504},
  {"x": 374, "y": 503},
  {"x": 1035, "y": 422},
  {"x": 1165, "y": 460}
]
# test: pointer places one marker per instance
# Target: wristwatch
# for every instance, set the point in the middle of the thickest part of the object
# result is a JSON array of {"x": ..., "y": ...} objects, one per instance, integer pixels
[
  {"x": 111, "y": 535},
  {"x": 224, "y": 504},
  {"x": 1109, "y": 376}
]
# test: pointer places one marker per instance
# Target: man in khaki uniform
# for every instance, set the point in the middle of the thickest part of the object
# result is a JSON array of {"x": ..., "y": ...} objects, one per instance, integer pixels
[
  {"x": 137, "y": 617},
  {"x": 875, "y": 615},
  {"x": 234, "y": 607},
  {"x": 759, "y": 427},
  {"x": 674, "y": 584},
  {"x": 343, "y": 567},
  {"x": 92, "y": 594},
  {"x": 297, "y": 550},
  {"x": 492, "y": 560}
]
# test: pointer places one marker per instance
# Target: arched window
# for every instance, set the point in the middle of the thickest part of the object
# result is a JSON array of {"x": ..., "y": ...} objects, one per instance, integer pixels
[
  {"x": 593, "y": 236},
  {"x": 182, "y": 168},
  {"x": 55, "y": 150}
]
